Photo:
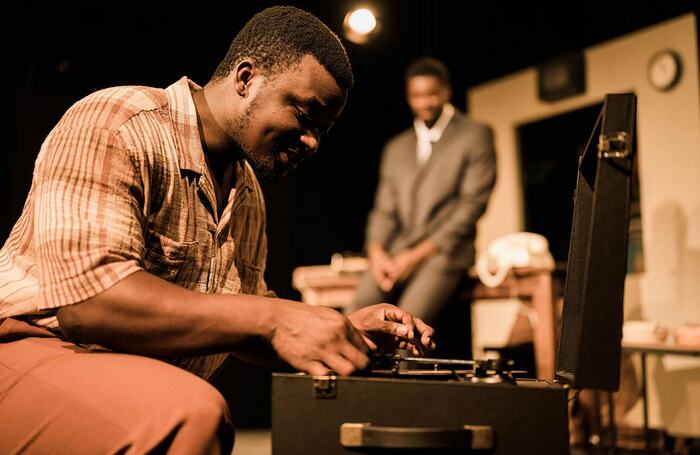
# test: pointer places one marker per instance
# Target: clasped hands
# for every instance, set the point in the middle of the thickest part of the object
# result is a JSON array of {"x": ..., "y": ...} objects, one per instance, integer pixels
[{"x": 388, "y": 271}]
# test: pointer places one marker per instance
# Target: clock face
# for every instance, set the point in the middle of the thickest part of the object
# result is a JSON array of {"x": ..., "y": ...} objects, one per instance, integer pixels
[{"x": 664, "y": 70}]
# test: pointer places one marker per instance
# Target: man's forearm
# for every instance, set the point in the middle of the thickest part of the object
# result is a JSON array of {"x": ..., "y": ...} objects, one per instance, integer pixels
[
  {"x": 425, "y": 249},
  {"x": 147, "y": 315},
  {"x": 375, "y": 249},
  {"x": 143, "y": 314}
]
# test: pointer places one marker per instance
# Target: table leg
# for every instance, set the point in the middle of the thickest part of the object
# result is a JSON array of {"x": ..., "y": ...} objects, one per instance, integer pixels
[
  {"x": 544, "y": 341},
  {"x": 611, "y": 420},
  {"x": 647, "y": 443}
]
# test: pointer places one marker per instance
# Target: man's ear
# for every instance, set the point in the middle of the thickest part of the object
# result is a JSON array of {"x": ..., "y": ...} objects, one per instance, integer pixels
[
  {"x": 449, "y": 92},
  {"x": 245, "y": 72}
]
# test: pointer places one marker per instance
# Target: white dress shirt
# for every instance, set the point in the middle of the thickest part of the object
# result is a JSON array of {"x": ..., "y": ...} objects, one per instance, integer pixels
[{"x": 426, "y": 136}]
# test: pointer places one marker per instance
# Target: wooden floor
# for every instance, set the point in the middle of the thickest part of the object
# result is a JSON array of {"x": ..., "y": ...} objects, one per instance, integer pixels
[{"x": 253, "y": 441}]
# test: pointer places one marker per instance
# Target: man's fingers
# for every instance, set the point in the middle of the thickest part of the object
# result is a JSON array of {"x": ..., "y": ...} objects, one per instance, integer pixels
[
  {"x": 426, "y": 333},
  {"x": 339, "y": 363},
  {"x": 414, "y": 349},
  {"x": 395, "y": 275},
  {"x": 371, "y": 344},
  {"x": 383, "y": 278},
  {"x": 396, "y": 329},
  {"x": 389, "y": 267},
  {"x": 379, "y": 278},
  {"x": 424, "y": 330},
  {"x": 358, "y": 359},
  {"x": 394, "y": 313},
  {"x": 356, "y": 339},
  {"x": 386, "y": 284},
  {"x": 314, "y": 368},
  {"x": 408, "y": 321}
]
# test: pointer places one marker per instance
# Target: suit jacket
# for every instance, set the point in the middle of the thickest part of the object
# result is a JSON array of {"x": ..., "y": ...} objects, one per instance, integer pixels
[{"x": 443, "y": 198}]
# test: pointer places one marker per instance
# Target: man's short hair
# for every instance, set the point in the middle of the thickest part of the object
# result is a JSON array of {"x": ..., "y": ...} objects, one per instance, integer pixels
[
  {"x": 277, "y": 38},
  {"x": 428, "y": 66}
]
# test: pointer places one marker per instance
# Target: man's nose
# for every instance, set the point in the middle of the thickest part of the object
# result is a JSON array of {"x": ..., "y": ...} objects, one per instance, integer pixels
[{"x": 310, "y": 140}]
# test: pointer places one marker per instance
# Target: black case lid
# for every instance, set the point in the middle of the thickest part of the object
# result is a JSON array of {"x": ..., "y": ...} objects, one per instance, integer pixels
[{"x": 591, "y": 330}]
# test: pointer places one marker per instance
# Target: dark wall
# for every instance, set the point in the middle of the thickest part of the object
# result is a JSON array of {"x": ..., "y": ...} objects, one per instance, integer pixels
[{"x": 64, "y": 50}]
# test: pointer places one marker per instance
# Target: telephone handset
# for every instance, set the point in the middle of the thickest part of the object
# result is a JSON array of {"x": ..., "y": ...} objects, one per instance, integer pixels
[{"x": 519, "y": 249}]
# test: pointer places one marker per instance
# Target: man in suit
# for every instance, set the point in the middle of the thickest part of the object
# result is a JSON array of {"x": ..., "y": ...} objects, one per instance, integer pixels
[{"x": 435, "y": 181}]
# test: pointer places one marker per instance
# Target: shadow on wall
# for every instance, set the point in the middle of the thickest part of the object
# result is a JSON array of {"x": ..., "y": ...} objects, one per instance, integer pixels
[
  {"x": 690, "y": 260},
  {"x": 680, "y": 241}
]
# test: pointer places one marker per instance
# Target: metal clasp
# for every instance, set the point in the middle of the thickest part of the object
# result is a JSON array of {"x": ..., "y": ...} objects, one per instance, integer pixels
[
  {"x": 324, "y": 386},
  {"x": 615, "y": 145}
]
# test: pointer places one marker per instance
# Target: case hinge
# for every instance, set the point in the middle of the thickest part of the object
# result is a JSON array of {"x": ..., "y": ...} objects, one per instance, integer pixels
[{"x": 615, "y": 145}]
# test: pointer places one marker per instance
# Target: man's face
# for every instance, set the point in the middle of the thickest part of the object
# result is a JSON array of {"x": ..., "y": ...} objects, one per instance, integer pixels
[
  {"x": 286, "y": 116},
  {"x": 426, "y": 96}
]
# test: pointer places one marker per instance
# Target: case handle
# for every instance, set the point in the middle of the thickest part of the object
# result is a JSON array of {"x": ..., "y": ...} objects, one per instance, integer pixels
[{"x": 366, "y": 435}]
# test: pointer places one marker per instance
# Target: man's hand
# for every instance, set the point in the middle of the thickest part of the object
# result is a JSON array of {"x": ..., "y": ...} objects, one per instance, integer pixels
[
  {"x": 316, "y": 340},
  {"x": 405, "y": 263},
  {"x": 384, "y": 323},
  {"x": 408, "y": 261},
  {"x": 382, "y": 267}
]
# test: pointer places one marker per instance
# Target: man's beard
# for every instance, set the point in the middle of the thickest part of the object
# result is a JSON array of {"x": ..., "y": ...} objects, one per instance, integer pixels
[
  {"x": 262, "y": 170},
  {"x": 265, "y": 169}
]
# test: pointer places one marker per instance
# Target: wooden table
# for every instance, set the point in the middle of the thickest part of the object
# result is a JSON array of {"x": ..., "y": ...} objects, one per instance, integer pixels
[
  {"x": 321, "y": 285},
  {"x": 654, "y": 349},
  {"x": 537, "y": 288}
]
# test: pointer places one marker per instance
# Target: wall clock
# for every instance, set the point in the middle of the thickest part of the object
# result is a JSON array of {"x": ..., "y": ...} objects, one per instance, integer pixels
[{"x": 664, "y": 70}]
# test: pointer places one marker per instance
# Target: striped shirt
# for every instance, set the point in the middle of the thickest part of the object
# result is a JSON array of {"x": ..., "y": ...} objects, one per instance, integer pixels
[{"x": 121, "y": 185}]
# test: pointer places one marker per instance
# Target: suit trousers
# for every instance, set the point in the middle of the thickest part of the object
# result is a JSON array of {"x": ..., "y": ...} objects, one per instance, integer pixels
[
  {"x": 57, "y": 397},
  {"x": 430, "y": 293}
]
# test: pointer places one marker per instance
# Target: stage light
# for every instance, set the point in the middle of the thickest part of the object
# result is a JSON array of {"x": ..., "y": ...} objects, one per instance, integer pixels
[
  {"x": 359, "y": 24},
  {"x": 362, "y": 21}
]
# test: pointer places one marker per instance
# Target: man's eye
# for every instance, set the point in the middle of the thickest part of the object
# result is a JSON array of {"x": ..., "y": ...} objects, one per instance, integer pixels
[{"x": 306, "y": 121}]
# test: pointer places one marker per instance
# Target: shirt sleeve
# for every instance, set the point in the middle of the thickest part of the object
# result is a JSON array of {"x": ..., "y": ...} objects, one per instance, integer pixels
[{"x": 88, "y": 219}]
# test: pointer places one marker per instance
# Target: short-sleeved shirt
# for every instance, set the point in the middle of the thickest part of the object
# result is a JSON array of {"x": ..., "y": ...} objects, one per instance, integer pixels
[{"x": 121, "y": 185}]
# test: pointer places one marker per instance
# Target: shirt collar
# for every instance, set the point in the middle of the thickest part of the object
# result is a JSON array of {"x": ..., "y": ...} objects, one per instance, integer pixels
[
  {"x": 189, "y": 147},
  {"x": 435, "y": 133},
  {"x": 184, "y": 119}
]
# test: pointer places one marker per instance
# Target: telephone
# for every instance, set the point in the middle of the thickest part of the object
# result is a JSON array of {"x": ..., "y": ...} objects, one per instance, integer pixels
[{"x": 519, "y": 249}]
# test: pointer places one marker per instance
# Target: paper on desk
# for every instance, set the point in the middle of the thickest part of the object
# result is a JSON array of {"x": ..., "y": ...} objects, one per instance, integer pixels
[{"x": 677, "y": 363}]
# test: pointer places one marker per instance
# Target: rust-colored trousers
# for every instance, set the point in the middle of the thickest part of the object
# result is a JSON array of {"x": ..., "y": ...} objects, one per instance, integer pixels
[{"x": 58, "y": 398}]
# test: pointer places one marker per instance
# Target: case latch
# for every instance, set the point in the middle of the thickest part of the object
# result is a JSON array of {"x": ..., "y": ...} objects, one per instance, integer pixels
[{"x": 324, "y": 386}]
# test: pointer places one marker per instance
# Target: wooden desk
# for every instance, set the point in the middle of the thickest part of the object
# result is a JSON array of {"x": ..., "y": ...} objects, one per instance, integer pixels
[{"x": 321, "y": 285}]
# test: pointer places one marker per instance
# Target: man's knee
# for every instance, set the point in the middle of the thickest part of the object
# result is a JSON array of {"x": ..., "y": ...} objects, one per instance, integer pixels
[
  {"x": 202, "y": 401},
  {"x": 193, "y": 417},
  {"x": 206, "y": 413},
  {"x": 106, "y": 402}
]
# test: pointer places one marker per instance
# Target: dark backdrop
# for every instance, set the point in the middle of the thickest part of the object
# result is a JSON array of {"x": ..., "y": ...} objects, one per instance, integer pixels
[{"x": 63, "y": 50}]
